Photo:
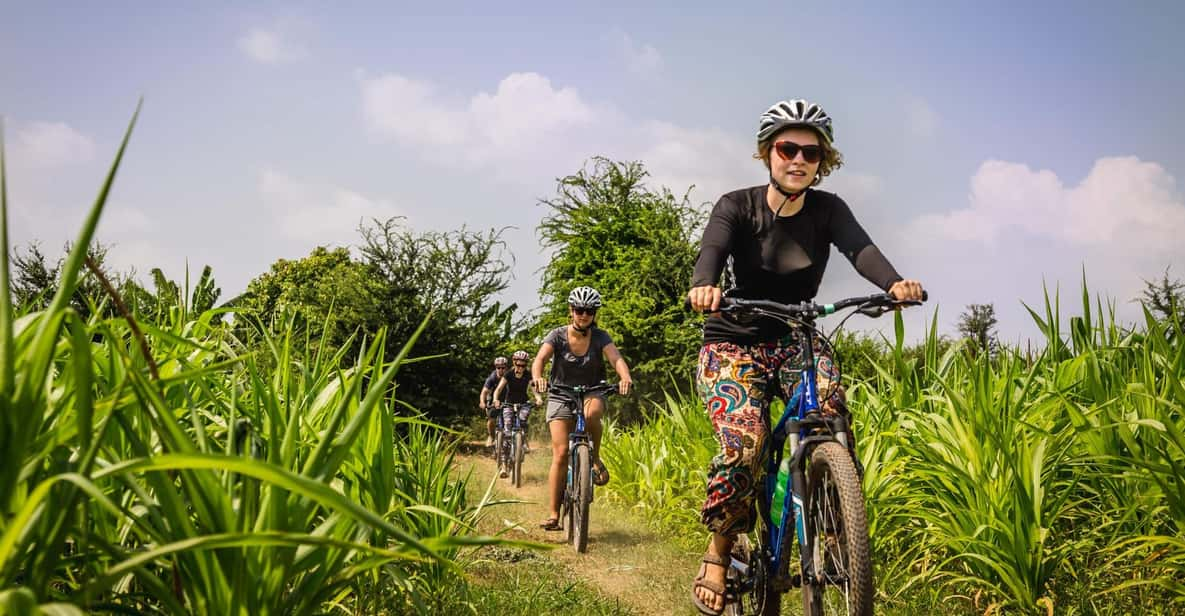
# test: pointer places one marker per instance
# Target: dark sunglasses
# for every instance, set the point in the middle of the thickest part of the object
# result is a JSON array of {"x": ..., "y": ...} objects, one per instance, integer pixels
[
  {"x": 787, "y": 150},
  {"x": 592, "y": 312},
  {"x": 520, "y": 364}
]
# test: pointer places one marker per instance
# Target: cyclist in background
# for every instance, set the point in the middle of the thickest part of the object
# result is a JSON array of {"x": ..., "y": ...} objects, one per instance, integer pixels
[
  {"x": 485, "y": 400},
  {"x": 515, "y": 384},
  {"x": 776, "y": 239},
  {"x": 580, "y": 350}
]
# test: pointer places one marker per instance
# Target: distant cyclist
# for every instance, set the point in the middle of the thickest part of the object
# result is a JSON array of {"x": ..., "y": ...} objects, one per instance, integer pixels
[
  {"x": 485, "y": 400},
  {"x": 579, "y": 351},
  {"x": 515, "y": 384},
  {"x": 776, "y": 239}
]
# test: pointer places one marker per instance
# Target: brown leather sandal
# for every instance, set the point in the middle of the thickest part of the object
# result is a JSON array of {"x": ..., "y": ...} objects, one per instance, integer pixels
[
  {"x": 600, "y": 474},
  {"x": 551, "y": 524},
  {"x": 702, "y": 581}
]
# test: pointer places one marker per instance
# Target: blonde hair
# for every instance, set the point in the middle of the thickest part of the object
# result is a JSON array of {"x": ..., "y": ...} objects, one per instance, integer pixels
[{"x": 832, "y": 158}]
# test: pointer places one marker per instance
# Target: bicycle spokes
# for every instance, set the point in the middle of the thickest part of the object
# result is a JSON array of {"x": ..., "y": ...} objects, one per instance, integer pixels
[{"x": 830, "y": 559}]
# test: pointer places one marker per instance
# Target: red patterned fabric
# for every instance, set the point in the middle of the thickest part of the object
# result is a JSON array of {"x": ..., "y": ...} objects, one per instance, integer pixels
[{"x": 732, "y": 380}]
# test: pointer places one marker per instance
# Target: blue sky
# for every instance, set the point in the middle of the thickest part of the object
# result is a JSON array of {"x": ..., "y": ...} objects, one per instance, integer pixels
[{"x": 988, "y": 147}]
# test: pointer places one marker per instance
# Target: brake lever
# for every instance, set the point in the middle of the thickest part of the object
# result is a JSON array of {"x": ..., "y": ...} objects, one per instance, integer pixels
[
  {"x": 872, "y": 311},
  {"x": 877, "y": 310}
]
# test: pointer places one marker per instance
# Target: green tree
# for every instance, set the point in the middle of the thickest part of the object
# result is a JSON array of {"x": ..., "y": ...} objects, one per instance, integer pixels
[
  {"x": 35, "y": 280},
  {"x": 454, "y": 274},
  {"x": 635, "y": 245},
  {"x": 328, "y": 295},
  {"x": 1165, "y": 297},
  {"x": 400, "y": 278},
  {"x": 978, "y": 325}
]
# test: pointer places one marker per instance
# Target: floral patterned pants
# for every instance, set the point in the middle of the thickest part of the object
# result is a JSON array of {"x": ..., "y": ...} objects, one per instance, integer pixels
[{"x": 734, "y": 382}]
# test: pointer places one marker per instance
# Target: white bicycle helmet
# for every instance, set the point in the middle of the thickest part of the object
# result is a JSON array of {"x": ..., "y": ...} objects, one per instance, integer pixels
[
  {"x": 797, "y": 112},
  {"x": 584, "y": 297},
  {"x": 500, "y": 362},
  {"x": 520, "y": 356}
]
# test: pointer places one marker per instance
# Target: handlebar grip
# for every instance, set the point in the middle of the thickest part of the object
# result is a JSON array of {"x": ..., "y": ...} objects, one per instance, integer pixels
[{"x": 724, "y": 302}]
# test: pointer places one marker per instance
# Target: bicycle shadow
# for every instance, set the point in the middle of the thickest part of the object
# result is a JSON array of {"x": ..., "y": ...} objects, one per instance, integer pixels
[
  {"x": 608, "y": 539},
  {"x": 619, "y": 538}
]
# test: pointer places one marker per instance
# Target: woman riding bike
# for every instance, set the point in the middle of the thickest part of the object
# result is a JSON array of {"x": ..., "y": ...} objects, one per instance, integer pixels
[
  {"x": 580, "y": 350},
  {"x": 776, "y": 239},
  {"x": 515, "y": 385}
]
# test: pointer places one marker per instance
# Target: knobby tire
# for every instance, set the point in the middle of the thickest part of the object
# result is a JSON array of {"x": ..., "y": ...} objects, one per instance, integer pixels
[
  {"x": 841, "y": 580},
  {"x": 582, "y": 496},
  {"x": 516, "y": 470}
]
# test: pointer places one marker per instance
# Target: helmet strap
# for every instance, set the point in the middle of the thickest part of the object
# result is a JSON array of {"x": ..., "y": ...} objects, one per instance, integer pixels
[
  {"x": 790, "y": 196},
  {"x": 582, "y": 331}
]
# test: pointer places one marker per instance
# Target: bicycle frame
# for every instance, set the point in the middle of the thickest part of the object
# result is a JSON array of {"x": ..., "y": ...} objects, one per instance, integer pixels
[
  {"x": 578, "y": 436},
  {"x": 795, "y": 426},
  {"x": 516, "y": 423}
]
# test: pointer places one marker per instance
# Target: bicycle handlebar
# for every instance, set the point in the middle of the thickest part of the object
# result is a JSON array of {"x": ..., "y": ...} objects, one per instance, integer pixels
[
  {"x": 869, "y": 305},
  {"x": 584, "y": 390}
]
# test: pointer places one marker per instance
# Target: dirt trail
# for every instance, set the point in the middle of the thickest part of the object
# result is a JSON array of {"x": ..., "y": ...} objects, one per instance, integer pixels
[{"x": 625, "y": 560}]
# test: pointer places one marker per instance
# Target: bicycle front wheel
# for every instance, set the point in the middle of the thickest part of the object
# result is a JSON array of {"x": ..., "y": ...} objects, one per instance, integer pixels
[
  {"x": 581, "y": 497},
  {"x": 838, "y": 577},
  {"x": 516, "y": 470}
]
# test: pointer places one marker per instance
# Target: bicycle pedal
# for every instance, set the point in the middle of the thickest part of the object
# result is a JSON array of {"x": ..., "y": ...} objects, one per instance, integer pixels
[{"x": 741, "y": 586}]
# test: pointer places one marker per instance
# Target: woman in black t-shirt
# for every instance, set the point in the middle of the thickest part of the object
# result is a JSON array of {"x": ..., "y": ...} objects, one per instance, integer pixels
[
  {"x": 776, "y": 239},
  {"x": 516, "y": 385},
  {"x": 579, "y": 351}
]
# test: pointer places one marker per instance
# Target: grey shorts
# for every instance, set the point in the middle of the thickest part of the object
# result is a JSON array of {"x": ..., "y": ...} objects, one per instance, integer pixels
[{"x": 562, "y": 409}]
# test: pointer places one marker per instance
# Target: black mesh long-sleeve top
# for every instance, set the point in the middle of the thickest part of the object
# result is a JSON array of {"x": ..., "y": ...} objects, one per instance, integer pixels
[{"x": 781, "y": 260}]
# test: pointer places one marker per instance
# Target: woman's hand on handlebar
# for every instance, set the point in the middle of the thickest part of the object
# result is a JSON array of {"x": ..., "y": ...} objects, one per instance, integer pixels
[
  {"x": 705, "y": 298},
  {"x": 906, "y": 291}
]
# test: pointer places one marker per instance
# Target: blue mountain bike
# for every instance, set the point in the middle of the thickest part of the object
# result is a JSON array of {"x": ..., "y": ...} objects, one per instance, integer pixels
[
  {"x": 578, "y": 491},
  {"x": 822, "y": 509}
]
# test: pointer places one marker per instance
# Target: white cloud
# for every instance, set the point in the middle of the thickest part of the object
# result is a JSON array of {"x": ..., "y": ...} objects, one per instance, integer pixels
[
  {"x": 1121, "y": 200},
  {"x": 51, "y": 144},
  {"x": 525, "y": 113},
  {"x": 526, "y": 132},
  {"x": 713, "y": 160},
  {"x": 270, "y": 46},
  {"x": 320, "y": 213},
  {"x": 855, "y": 187},
  {"x": 1023, "y": 228},
  {"x": 405, "y": 110},
  {"x": 530, "y": 129},
  {"x": 920, "y": 118},
  {"x": 641, "y": 60}
]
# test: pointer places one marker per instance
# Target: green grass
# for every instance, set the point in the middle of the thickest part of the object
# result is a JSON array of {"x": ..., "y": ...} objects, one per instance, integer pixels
[
  {"x": 517, "y": 581},
  {"x": 183, "y": 465}
]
